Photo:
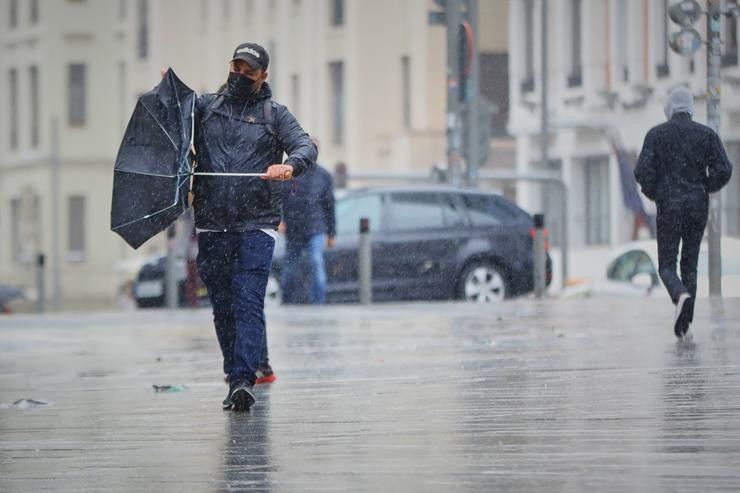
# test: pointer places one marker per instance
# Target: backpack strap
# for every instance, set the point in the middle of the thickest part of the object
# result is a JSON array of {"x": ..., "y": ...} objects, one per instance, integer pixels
[{"x": 269, "y": 116}]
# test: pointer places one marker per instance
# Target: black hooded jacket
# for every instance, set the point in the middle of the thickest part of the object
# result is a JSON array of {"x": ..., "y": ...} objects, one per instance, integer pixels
[
  {"x": 233, "y": 136},
  {"x": 681, "y": 158}
]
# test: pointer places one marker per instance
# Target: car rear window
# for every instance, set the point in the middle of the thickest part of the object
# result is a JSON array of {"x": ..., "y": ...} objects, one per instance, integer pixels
[
  {"x": 490, "y": 210},
  {"x": 413, "y": 211},
  {"x": 351, "y": 209}
]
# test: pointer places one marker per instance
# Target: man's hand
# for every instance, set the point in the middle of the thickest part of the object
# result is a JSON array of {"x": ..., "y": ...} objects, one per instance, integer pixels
[
  {"x": 279, "y": 172},
  {"x": 331, "y": 242},
  {"x": 282, "y": 227}
]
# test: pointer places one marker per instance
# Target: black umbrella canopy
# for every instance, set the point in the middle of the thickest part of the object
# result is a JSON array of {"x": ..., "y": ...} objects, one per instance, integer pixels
[{"x": 152, "y": 172}]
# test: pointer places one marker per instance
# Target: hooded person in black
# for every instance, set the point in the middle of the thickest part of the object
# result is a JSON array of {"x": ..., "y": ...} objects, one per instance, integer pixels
[
  {"x": 241, "y": 130},
  {"x": 680, "y": 164}
]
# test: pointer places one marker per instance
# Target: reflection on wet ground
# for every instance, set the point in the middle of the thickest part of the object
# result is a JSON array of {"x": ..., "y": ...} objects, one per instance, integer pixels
[{"x": 558, "y": 396}]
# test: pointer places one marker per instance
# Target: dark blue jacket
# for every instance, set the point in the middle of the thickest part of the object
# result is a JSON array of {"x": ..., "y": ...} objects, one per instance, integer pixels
[
  {"x": 308, "y": 206},
  {"x": 234, "y": 137},
  {"x": 681, "y": 158}
]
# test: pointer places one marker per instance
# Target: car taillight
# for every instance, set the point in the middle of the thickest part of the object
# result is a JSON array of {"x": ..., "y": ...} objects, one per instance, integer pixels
[{"x": 547, "y": 242}]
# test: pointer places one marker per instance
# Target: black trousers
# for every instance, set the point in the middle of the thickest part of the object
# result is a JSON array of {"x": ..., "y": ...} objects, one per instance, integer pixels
[{"x": 682, "y": 221}]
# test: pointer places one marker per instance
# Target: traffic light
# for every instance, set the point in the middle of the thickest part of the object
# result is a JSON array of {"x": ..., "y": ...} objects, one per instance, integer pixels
[{"x": 685, "y": 13}]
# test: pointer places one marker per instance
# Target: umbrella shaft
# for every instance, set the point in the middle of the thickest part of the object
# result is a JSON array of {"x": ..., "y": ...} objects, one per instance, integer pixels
[{"x": 229, "y": 174}]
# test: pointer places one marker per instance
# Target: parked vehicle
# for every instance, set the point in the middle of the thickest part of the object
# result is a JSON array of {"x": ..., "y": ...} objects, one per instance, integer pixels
[
  {"x": 7, "y": 295},
  {"x": 428, "y": 243},
  {"x": 633, "y": 271}
]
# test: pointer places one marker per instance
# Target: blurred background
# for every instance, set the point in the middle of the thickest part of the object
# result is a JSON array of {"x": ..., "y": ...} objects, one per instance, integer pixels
[{"x": 371, "y": 80}]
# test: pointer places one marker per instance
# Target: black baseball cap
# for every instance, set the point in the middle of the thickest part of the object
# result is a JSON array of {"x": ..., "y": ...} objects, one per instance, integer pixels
[{"x": 252, "y": 53}]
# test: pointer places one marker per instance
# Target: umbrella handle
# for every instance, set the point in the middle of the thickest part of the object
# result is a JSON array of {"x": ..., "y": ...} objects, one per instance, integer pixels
[{"x": 229, "y": 174}]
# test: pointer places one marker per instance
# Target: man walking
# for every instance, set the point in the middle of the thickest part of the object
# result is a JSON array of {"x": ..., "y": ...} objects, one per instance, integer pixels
[
  {"x": 680, "y": 164},
  {"x": 310, "y": 225},
  {"x": 241, "y": 130}
]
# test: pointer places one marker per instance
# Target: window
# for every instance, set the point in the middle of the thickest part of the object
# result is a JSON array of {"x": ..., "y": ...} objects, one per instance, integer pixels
[
  {"x": 621, "y": 40},
  {"x": 15, "y": 226},
  {"x": 351, "y": 209},
  {"x": 336, "y": 100},
  {"x": 487, "y": 210},
  {"x": 76, "y": 229},
  {"x": 597, "y": 201},
  {"x": 406, "y": 90},
  {"x": 142, "y": 29},
  {"x": 272, "y": 51},
  {"x": 528, "y": 81},
  {"x": 337, "y": 13},
  {"x": 412, "y": 211},
  {"x": 295, "y": 93},
  {"x": 630, "y": 264},
  {"x": 661, "y": 68},
  {"x": 122, "y": 100},
  {"x": 13, "y": 104},
  {"x": 33, "y": 75},
  {"x": 13, "y": 13},
  {"x": 729, "y": 42},
  {"x": 34, "y": 11},
  {"x": 575, "y": 78},
  {"x": 77, "y": 94}
]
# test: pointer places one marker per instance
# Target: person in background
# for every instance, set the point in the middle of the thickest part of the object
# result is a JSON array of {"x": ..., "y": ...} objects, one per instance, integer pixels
[
  {"x": 680, "y": 164},
  {"x": 310, "y": 226}
]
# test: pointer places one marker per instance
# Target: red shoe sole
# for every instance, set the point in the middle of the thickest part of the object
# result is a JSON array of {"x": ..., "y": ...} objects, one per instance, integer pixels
[{"x": 269, "y": 379}]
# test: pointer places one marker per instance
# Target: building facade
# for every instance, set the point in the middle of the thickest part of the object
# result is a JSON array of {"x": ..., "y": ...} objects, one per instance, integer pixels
[
  {"x": 367, "y": 78},
  {"x": 610, "y": 70}
]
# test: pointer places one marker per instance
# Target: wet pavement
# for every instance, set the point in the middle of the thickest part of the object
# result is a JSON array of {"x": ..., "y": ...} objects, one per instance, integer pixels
[{"x": 577, "y": 395}]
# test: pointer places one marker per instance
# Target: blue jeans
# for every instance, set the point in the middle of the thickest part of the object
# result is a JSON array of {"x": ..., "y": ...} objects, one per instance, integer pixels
[
  {"x": 293, "y": 268},
  {"x": 235, "y": 268}
]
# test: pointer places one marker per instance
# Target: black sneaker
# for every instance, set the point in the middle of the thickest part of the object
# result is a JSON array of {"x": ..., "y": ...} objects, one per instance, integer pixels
[
  {"x": 680, "y": 322},
  {"x": 227, "y": 402},
  {"x": 241, "y": 396}
]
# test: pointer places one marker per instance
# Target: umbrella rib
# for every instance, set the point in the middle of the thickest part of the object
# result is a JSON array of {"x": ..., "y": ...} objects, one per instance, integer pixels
[
  {"x": 160, "y": 126},
  {"x": 148, "y": 174}
]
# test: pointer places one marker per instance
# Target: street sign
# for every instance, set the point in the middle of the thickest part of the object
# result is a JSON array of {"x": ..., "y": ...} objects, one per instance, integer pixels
[
  {"x": 685, "y": 13},
  {"x": 685, "y": 42}
]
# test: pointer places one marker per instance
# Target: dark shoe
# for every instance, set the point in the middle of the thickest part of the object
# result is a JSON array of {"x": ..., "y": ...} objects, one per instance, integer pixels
[
  {"x": 680, "y": 321},
  {"x": 241, "y": 396},
  {"x": 227, "y": 402},
  {"x": 265, "y": 375}
]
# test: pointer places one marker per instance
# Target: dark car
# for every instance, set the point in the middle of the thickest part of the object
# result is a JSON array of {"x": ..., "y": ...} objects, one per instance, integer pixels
[{"x": 428, "y": 243}]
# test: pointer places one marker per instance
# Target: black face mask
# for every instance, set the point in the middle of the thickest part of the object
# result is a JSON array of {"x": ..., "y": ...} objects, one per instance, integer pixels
[{"x": 240, "y": 86}]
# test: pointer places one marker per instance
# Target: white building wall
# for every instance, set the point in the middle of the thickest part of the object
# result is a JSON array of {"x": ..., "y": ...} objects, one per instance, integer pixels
[{"x": 577, "y": 114}]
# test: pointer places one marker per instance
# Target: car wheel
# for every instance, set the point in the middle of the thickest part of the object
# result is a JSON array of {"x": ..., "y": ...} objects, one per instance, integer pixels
[
  {"x": 273, "y": 294},
  {"x": 482, "y": 282}
]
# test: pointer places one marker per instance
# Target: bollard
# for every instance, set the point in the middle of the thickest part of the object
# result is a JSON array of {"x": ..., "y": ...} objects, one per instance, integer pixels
[
  {"x": 171, "y": 288},
  {"x": 40, "y": 283},
  {"x": 364, "y": 254},
  {"x": 540, "y": 257}
]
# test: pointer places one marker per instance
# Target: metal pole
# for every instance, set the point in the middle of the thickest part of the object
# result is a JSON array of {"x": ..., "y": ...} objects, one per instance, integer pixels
[
  {"x": 545, "y": 144},
  {"x": 56, "y": 288},
  {"x": 473, "y": 155},
  {"x": 540, "y": 256},
  {"x": 40, "y": 283},
  {"x": 454, "y": 137},
  {"x": 171, "y": 289},
  {"x": 366, "y": 263},
  {"x": 713, "y": 119}
]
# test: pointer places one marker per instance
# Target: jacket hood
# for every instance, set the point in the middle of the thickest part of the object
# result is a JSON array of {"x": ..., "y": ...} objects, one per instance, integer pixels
[{"x": 679, "y": 101}]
